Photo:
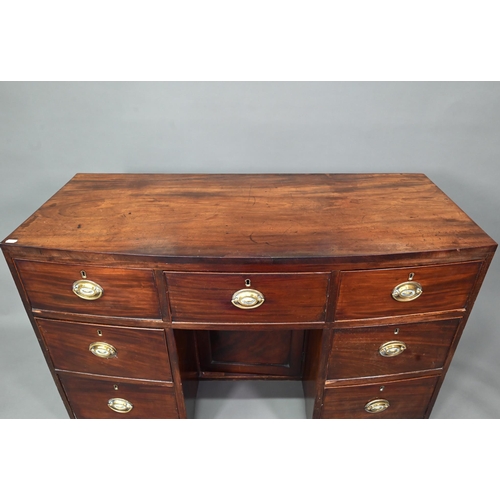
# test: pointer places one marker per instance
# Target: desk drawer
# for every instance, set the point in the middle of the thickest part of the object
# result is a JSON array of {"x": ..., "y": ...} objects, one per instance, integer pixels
[
  {"x": 288, "y": 297},
  {"x": 385, "y": 350},
  {"x": 90, "y": 397},
  {"x": 402, "y": 399},
  {"x": 369, "y": 294},
  {"x": 116, "y": 351},
  {"x": 125, "y": 292}
]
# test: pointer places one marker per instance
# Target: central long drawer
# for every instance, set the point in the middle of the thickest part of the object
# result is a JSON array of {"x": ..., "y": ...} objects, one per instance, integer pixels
[{"x": 286, "y": 297}]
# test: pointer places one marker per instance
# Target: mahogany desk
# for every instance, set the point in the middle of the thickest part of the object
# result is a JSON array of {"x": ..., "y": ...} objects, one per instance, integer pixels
[{"x": 140, "y": 285}]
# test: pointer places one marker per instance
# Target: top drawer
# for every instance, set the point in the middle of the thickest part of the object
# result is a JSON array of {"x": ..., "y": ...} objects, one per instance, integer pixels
[
  {"x": 237, "y": 298},
  {"x": 369, "y": 294},
  {"x": 129, "y": 293}
]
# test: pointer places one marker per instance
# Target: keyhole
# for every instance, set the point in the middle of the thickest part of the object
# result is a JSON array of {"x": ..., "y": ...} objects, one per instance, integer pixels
[
  {"x": 99, "y": 333},
  {"x": 84, "y": 274},
  {"x": 396, "y": 331},
  {"x": 248, "y": 282},
  {"x": 115, "y": 387},
  {"x": 410, "y": 277}
]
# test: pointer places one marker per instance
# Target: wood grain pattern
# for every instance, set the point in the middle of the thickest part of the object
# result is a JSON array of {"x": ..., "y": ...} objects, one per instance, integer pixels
[
  {"x": 316, "y": 349},
  {"x": 251, "y": 216},
  {"x": 272, "y": 352},
  {"x": 127, "y": 292},
  {"x": 188, "y": 370},
  {"x": 325, "y": 250},
  {"x": 473, "y": 295},
  {"x": 355, "y": 352},
  {"x": 367, "y": 294},
  {"x": 289, "y": 297},
  {"x": 141, "y": 353},
  {"x": 89, "y": 397},
  {"x": 408, "y": 399}
]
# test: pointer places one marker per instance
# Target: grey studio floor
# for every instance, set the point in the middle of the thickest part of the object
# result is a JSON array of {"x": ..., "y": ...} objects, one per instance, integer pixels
[{"x": 447, "y": 130}]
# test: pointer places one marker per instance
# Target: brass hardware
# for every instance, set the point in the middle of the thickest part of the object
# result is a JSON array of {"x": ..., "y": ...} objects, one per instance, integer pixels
[
  {"x": 382, "y": 387},
  {"x": 115, "y": 387},
  {"x": 99, "y": 333},
  {"x": 392, "y": 348},
  {"x": 88, "y": 290},
  {"x": 377, "y": 405},
  {"x": 248, "y": 283},
  {"x": 84, "y": 274},
  {"x": 410, "y": 276},
  {"x": 247, "y": 299},
  {"x": 120, "y": 405},
  {"x": 396, "y": 331},
  {"x": 407, "y": 291},
  {"x": 102, "y": 350}
]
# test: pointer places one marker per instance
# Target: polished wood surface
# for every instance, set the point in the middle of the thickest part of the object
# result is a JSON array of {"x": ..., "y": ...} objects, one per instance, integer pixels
[
  {"x": 140, "y": 352},
  {"x": 407, "y": 398},
  {"x": 355, "y": 351},
  {"x": 127, "y": 292},
  {"x": 189, "y": 217},
  {"x": 268, "y": 352},
  {"x": 326, "y": 251},
  {"x": 89, "y": 396},
  {"x": 289, "y": 297},
  {"x": 367, "y": 294}
]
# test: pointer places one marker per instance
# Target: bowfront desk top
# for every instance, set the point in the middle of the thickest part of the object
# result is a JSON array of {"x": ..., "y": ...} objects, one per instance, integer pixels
[{"x": 140, "y": 285}]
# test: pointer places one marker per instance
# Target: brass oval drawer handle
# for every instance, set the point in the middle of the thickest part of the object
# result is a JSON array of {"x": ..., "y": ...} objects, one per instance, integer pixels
[
  {"x": 102, "y": 350},
  {"x": 88, "y": 290},
  {"x": 409, "y": 290},
  {"x": 392, "y": 348},
  {"x": 377, "y": 406},
  {"x": 247, "y": 299},
  {"x": 120, "y": 405}
]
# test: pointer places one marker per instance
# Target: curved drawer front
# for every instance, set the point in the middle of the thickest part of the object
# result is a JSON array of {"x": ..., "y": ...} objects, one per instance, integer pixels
[
  {"x": 92, "y": 397},
  {"x": 248, "y": 298},
  {"x": 372, "y": 294},
  {"x": 401, "y": 399},
  {"x": 107, "y": 350},
  {"x": 103, "y": 291},
  {"x": 390, "y": 349}
]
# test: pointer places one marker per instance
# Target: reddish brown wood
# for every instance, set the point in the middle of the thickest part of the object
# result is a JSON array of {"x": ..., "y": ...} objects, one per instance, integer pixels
[
  {"x": 130, "y": 293},
  {"x": 326, "y": 251},
  {"x": 474, "y": 293},
  {"x": 141, "y": 353},
  {"x": 27, "y": 306},
  {"x": 187, "y": 372},
  {"x": 206, "y": 297},
  {"x": 382, "y": 379},
  {"x": 89, "y": 397},
  {"x": 408, "y": 399},
  {"x": 367, "y": 294},
  {"x": 316, "y": 349},
  {"x": 271, "y": 352},
  {"x": 355, "y": 352},
  {"x": 251, "y": 216}
]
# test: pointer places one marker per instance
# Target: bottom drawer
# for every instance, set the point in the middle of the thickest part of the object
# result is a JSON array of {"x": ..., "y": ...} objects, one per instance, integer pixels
[
  {"x": 92, "y": 397},
  {"x": 401, "y": 399}
]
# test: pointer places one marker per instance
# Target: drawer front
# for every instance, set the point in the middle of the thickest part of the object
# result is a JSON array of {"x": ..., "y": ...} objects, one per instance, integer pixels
[
  {"x": 405, "y": 399},
  {"x": 90, "y": 397},
  {"x": 107, "y": 350},
  {"x": 125, "y": 292},
  {"x": 390, "y": 349},
  {"x": 369, "y": 294},
  {"x": 288, "y": 297}
]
